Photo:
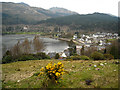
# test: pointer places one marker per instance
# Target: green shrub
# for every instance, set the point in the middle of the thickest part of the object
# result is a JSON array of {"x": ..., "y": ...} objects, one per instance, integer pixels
[
  {"x": 68, "y": 59},
  {"x": 97, "y": 56},
  {"x": 75, "y": 57},
  {"x": 26, "y": 57},
  {"x": 83, "y": 57},
  {"x": 75, "y": 54},
  {"x": 57, "y": 56},
  {"x": 108, "y": 56},
  {"x": 7, "y": 59},
  {"x": 42, "y": 55}
]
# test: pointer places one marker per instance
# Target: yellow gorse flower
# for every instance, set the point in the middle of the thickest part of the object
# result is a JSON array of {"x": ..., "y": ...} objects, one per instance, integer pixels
[
  {"x": 42, "y": 69},
  {"x": 41, "y": 73},
  {"x": 55, "y": 64},
  {"x": 56, "y": 81},
  {"x": 62, "y": 70},
  {"x": 57, "y": 74},
  {"x": 47, "y": 67},
  {"x": 59, "y": 63},
  {"x": 62, "y": 73},
  {"x": 59, "y": 70},
  {"x": 62, "y": 65},
  {"x": 53, "y": 71}
]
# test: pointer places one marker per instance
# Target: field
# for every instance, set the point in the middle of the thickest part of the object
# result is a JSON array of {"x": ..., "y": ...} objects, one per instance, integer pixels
[{"x": 101, "y": 74}]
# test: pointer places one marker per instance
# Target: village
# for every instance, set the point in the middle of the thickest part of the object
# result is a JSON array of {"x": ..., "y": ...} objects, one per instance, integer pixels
[{"x": 99, "y": 40}]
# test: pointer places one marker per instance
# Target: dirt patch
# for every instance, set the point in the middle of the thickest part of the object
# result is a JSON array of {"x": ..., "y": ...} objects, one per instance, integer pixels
[{"x": 19, "y": 76}]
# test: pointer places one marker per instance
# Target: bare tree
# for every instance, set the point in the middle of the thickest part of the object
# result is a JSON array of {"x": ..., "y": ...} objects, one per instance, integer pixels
[
  {"x": 89, "y": 50},
  {"x": 38, "y": 44},
  {"x": 16, "y": 51},
  {"x": 26, "y": 48}
]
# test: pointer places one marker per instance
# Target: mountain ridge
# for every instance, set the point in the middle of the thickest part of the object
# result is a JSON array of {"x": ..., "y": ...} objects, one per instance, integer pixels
[
  {"x": 85, "y": 22},
  {"x": 22, "y": 13},
  {"x": 58, "y": 10}
]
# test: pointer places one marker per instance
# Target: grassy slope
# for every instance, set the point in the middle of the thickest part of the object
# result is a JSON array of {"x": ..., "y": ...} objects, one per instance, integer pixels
[{"x": 79, "y": 71}]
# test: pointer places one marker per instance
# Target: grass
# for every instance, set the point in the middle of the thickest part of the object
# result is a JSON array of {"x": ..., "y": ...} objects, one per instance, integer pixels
[
  {"x": 20, "y": 74},
  {"x": 110, "y": 40},
  {"x": 23, "y": 33}
]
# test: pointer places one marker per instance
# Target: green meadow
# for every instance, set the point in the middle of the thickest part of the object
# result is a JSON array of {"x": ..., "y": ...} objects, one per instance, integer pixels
[{"x": 82, "y": 74}]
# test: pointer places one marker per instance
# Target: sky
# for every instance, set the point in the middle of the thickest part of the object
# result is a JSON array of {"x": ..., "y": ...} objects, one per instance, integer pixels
[{"x": 79, "y": 6}]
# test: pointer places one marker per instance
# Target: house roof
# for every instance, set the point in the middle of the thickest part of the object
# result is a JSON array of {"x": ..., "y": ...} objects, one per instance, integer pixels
[{"x": 63, "y": 55}]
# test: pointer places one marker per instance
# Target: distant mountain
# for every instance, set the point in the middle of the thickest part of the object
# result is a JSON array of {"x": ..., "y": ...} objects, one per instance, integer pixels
[
  {"x": 23, "y": 3},
  {"x": 85, "y": 21},
  {"x": 22, "y": 13},
  {"x": 61, "y": 11},
  {"x": 19, "y": 13}
]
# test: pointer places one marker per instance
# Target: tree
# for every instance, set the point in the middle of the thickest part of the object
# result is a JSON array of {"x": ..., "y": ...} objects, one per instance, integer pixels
[
  {"x": 16, "y": 50},
  {"x": 38, "y": 44},
  {"x": 82, "y": 50},
  {"x": 114, "y": 49},
  {"x": 26, "y": 47},
  {"x": 57, "y": 56},
  {"x": 72, "y": 48},
  {"x": 105, "y": 51},
  {"x": 71, "y": 44},
  {"x": 97, "y": 56},
  {"x": 89, "y": 51}
]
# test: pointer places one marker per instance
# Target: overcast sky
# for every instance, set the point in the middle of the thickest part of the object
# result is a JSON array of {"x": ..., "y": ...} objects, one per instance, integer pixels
[{"x": 80, "y": 6}]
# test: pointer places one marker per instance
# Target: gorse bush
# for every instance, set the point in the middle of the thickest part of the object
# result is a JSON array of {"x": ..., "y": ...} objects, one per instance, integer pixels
[
  {"x": 53, "y": 72},
  {"x": 97, "y": 56}
]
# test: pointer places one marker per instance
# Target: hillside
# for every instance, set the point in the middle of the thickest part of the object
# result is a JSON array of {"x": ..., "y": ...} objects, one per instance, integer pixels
[
  {"x": 61, "y": 11},
  {"x": 21, "y": 13},
  {"x": 20, "y": 74},
  {"x": 86, "y": 21}
]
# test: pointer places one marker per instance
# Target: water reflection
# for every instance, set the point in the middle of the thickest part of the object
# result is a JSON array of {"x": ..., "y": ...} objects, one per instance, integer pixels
[{"x": 52, "y": 45}]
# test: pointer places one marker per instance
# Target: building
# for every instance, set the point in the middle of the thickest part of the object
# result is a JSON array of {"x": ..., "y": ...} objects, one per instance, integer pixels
[
  {"x": 75, "y": 36},
  {"x": 78, "y": 49}
]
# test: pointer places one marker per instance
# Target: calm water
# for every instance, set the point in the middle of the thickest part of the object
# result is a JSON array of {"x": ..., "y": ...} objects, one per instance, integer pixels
[{"x": 52, "y": 45}]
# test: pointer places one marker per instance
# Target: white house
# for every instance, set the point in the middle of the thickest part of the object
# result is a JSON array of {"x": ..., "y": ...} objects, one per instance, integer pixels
[
  {"x": 25, "y": 28},
  {"x": 78, "y": 49},
  {"x": 95, "y": 36},
  {"x": 101, "y": 42},
  {"x": 89, "y": 41},
  {"x": 63, "y": 55},
  {"x": 75, "y": 36},
  {"x": 87, "y": 45}
]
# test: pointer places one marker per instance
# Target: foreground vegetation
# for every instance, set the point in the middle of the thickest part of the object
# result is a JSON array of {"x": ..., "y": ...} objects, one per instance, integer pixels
[{"x": 82, "y": 74}]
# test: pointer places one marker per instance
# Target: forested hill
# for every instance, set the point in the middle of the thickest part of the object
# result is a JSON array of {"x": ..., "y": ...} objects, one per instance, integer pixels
[
  {"x": 86, "y": 21},
  {"x": 22, "y": 13}
]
